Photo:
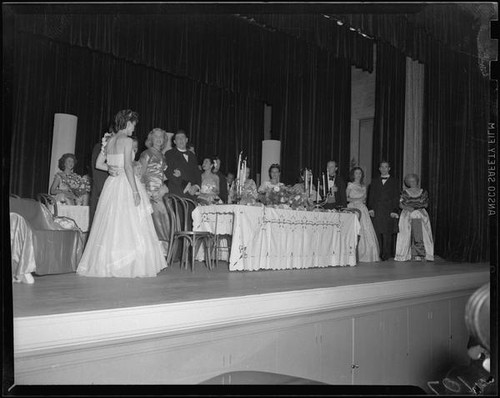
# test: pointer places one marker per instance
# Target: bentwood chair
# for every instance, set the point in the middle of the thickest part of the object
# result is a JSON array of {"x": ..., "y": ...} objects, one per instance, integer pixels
[{"x": 179, "y": 209}]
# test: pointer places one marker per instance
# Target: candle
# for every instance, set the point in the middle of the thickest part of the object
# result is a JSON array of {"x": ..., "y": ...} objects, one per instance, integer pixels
[
  {"x": 239, "y": 166},
  {"x": 317, "y": 193},
  {"x": 244, "y": 174},
  {"x": 305, "y": 184},
  {"x": 324, "y": 186}
]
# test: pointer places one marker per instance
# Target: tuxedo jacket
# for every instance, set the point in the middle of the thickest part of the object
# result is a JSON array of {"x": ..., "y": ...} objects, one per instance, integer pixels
[
  {"x": 190, "y": 173},
  {"x": 340, "y": 195},
  {"x": 383, "y": 199},
  {"x": 222, "y": 187}
]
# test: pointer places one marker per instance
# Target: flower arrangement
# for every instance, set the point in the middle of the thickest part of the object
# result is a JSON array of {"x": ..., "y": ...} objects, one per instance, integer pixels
[
  {"x": 104, "y": 142},
  {"x": 285, "y": 197},
  {"x": 78, "y": 185}
]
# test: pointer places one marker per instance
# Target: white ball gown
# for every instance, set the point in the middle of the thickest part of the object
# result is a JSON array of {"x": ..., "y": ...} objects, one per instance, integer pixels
[
  {"x": 122, "y": 241},
  {"x": 368, "y": 249}
]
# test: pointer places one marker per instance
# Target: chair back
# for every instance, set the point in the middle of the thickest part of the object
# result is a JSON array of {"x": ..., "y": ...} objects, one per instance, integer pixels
[{"x": 49, "y": 201}]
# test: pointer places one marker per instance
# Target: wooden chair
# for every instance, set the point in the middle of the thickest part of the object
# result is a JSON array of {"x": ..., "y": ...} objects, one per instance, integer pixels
[
  {"x": 218, "y": 237},
  {"x": 178, "y": 207}
]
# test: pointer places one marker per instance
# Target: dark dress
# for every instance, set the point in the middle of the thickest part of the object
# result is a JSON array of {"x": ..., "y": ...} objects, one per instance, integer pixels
[
  {"x": 190, "y": 173},
  {"x": 98, "y": 179},
  {"x": 383, "y": 199}
]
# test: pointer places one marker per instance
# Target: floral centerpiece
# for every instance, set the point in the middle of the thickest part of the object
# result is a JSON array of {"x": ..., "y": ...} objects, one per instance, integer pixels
[{"x": 285, "y": 197}]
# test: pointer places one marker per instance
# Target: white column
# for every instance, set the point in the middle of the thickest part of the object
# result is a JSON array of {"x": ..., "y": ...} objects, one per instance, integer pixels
[
  {"x": 270, "y": 154},
  {"x": 63, "y": 141}
]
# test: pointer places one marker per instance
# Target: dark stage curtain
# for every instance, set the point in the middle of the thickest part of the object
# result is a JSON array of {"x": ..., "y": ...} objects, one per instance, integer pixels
[
  {"x": 412, "y": 34},
  {"x": 389, "y": 121},
  {"x": 454, "y": 164},
  {"x": 312, "y": 114},
  {"x": 53, "y": 77}
]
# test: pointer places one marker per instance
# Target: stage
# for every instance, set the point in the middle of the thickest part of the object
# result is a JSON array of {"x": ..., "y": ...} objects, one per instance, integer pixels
[{"x": 184, "y": 327}]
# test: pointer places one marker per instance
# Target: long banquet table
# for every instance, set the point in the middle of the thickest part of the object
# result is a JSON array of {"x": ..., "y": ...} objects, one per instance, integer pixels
[{"x": 270, "y": 238}]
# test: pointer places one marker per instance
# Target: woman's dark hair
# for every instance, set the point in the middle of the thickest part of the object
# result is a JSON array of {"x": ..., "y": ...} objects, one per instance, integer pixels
[
  {"x": 124, "y": 116},
  {"x": 274, "y": 166},
  {"x": 63, "y": 158},
  {"x": 212, "y": 162},
  {"x": 351, "y": 174}
]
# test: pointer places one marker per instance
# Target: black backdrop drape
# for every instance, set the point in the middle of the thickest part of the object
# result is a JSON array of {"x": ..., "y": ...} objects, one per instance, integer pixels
[
  {"x": 389, "y": 122},
  {"x": 455, "y": 151},
  {"x": 210, "y": 75},
  {"x": 55, "y": 77}
]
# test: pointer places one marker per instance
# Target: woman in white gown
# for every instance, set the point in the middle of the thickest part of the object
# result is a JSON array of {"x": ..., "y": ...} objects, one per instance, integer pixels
[
  {"x": 123, "y": 241},
  {"x": 368, "y": 250}
]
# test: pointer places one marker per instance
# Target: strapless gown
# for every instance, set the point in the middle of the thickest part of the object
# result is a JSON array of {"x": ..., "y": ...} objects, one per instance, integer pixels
[{"x": 123, "y": 241}]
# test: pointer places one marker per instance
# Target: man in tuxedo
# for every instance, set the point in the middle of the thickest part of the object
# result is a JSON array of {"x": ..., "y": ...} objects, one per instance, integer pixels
[
  {"x": 184, "y": 176},
  {"x": 336, "y": 188},
  {"x": 223, "y": 192},
  {"x": 383, "y": 206}
]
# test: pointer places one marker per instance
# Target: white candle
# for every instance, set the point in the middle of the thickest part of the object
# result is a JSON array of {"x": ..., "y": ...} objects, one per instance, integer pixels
[
  {"x": 317, "y": 193},
  {"x": 306, "y": 182},
  {"x": 311, "y": 183},
  {"x": 244, "y": 174},
  {"x": 239, "y": 166},
  {"x": 324, "y": 186}
]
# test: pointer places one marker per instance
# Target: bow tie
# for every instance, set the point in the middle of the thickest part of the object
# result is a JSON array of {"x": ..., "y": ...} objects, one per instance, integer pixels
[
  {"x": 384, "y": 178},
  {"x": 331, "y": 178}
]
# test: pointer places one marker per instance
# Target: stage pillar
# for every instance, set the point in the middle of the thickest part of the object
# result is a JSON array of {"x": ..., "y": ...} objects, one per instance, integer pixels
[
  {"x": 63, "y": 141},
  {"x": 270, "y": 155}
]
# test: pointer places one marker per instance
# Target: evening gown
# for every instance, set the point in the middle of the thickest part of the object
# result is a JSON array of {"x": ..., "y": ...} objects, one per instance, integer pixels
[
  {"x": 368, "y": 248},
  {"x": 122, "y": 241}
]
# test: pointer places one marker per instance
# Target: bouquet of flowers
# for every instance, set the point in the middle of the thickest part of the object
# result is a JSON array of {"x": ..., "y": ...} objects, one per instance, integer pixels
[
  {"x": 79, "y": 185},
  {"x": 285, "y": 197}
]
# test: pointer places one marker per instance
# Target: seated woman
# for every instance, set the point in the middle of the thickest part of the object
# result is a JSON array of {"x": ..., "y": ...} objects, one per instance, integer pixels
[
  {"x": 368, "y": 250},
  {"x": 274, "y": 175},
  {"x": 68, "y": 187},
  {"x": 414, "y": 240},
  {"x": 209, "y": 190},
  {"x": 300, "y": 187},
  {"x": 248, "y": 194},
  {"x": 152, "y": 175}
]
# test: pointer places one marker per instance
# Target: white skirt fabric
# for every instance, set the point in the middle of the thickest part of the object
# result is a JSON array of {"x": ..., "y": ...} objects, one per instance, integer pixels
[{"x": 122, "y": 241}]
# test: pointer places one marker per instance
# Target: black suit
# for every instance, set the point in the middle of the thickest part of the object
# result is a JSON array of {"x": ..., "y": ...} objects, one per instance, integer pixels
[
  {"x": 190, "y": 173},
  {"x": 98, "y": 179},
  {"x": 222, "y": 186},
  {"x": 383, "y": 199},
  {"x": 340, "y": 195}
]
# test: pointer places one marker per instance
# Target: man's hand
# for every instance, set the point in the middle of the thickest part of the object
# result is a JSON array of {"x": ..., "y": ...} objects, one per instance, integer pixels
[
  {"x": 113, "y": 171},
  {"x": 177, "y": 173},
  {"x": 194, "y": 189},
  {"x": 394, "y": 215},
  {"x": 371, "y": 213}
]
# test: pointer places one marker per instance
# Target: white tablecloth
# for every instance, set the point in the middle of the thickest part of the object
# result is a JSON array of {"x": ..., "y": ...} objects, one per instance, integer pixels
[
  {"x": 268, "y": 238},
  {"x": 78, "y": 213}
]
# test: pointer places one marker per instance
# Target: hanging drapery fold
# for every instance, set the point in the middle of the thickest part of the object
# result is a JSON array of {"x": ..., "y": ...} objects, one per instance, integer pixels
[
  {"x": 454, "y": 151},
  {"x": 414, "y": 113},
  {"x": 389, "y": 121}
]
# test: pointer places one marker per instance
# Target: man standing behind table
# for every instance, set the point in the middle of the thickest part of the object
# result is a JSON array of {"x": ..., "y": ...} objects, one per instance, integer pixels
[
  {"x": 223, "y": 192},
  {"x": 383, "y": 206},
  {"x": 336, "y": 188},
  {"x": 184, "y": 176}
]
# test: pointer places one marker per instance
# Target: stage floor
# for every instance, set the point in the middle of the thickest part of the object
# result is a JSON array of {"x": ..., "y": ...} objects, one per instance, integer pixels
[{"x": 69, "y": 293}]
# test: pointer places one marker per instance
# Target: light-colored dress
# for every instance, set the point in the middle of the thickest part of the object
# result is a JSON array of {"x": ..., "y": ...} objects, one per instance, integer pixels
[
  {"x": 122, "y": 241},
  {"x": 421, "y": 244},
  {"x": 153, "y": 176},
  {"x": 209, "y": 189},
  {"x": 267, "y": 185},
  {"x": 368, "y": 250}
]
